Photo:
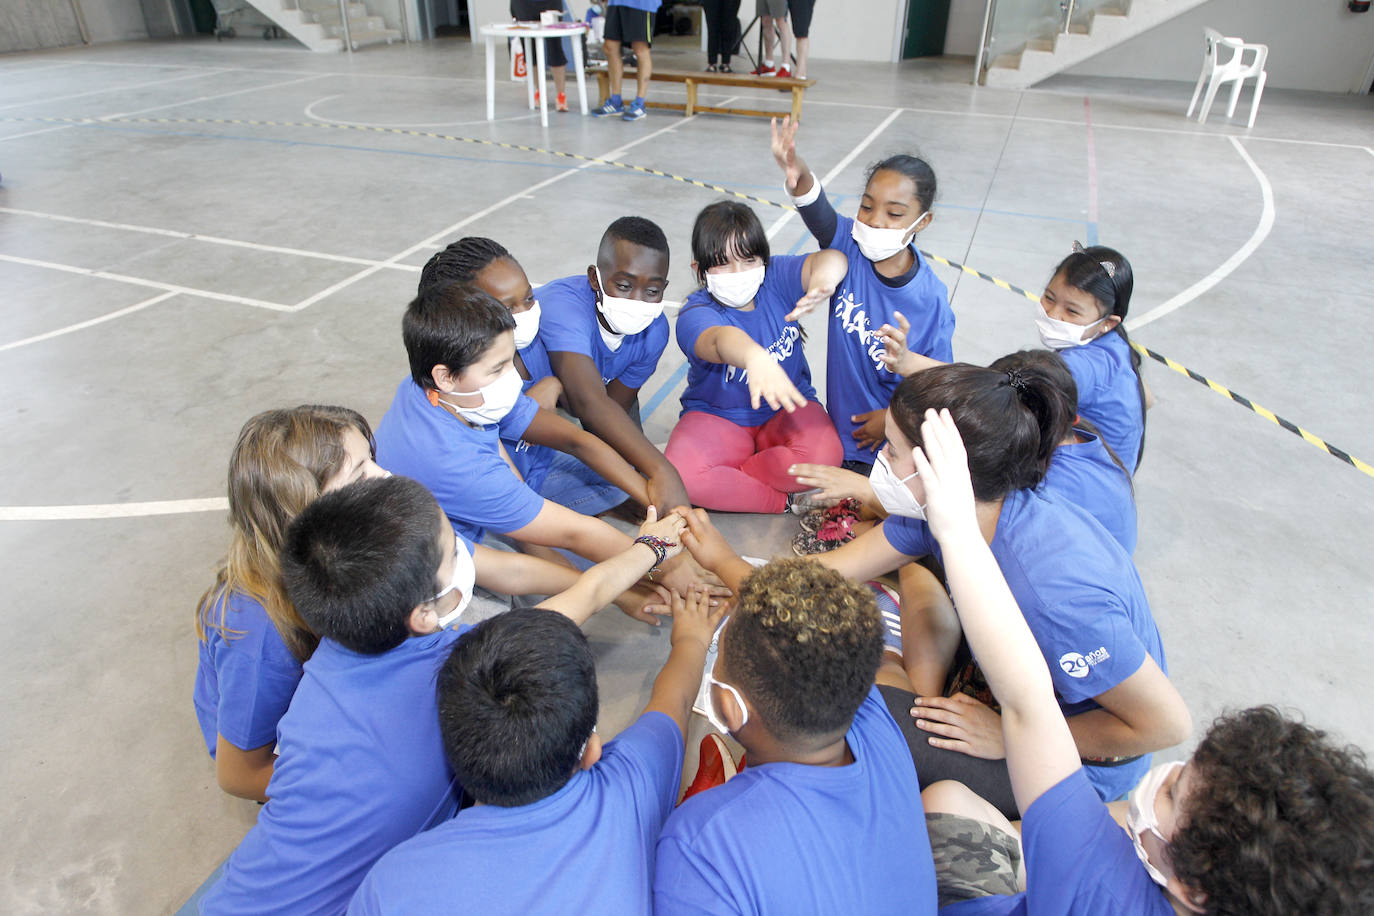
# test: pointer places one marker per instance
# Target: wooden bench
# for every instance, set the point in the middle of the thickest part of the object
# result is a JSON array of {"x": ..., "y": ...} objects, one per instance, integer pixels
[{"x": 693, "y": 79}]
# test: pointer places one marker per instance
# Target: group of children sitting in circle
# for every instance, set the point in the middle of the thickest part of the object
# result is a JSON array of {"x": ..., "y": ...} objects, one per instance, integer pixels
[{"x": 1009, "y": 670}]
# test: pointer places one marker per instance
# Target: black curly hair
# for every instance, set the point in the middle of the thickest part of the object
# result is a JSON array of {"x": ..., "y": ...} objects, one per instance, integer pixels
[
  {"x": 803, "y": 646},
  {"x": 1279, "y": 820}
]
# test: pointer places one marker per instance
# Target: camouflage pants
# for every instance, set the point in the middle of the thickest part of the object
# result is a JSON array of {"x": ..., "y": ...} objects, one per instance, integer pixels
[{"x": 972, "y": 859}]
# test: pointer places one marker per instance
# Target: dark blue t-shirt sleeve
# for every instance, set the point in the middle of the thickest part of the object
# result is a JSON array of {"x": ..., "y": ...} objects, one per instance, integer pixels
[{"x": 820, "y": 218}]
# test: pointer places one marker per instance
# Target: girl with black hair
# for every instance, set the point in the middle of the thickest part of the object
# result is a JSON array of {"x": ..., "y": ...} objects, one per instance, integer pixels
[
  {"x": 749, "y": 412},
  {"x": 890, "y": 288},
  {"x": 1075, "y": 585},
  {"x": 1085, "y": 301}
]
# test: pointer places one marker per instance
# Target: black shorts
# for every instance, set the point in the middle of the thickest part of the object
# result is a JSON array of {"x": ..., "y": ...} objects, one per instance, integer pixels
[
  {"x": 801, "y": 11},
  {"x": 528, "y": 11},
  {"x": 628, "y": 26}
]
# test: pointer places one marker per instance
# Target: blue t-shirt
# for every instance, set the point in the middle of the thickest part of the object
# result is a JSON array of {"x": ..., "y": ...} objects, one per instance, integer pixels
[
  {"x": 1085, "y": 475},
  {"x": 856, "y": 381},
  {"x": 1109, "y": 393},
  {"x": 244, "y": 681},
  {"x": 532, "y": 461},
  {"x": 796, "y": 839},
  {"x": 460, "y": 464},
  {"x": 1082, "y": 599},
  {"x": 588, "y": 848},
  {"x": 723, "y": 390},
  {"x": 648, "y": 6},
  {"x": 361, "y": 768},
  {"x": 1079, "y": 862},
  {"x": 568, "y": 324},
  {"x": 536, "y": 359}
]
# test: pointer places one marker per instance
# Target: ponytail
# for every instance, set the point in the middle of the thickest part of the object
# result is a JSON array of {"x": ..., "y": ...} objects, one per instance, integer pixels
[
  {"x": 460, "y": 262},
  {"x": 1011, "y": 420}
]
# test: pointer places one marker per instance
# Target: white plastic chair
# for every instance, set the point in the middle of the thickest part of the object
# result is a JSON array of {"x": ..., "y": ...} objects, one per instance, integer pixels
[{"x": 1234, "y": 69}]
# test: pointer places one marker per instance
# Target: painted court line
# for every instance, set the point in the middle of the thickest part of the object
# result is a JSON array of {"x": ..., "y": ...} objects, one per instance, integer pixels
[
  {"x": 119, "y": 313},
  {"x": 111, "y": 510},
  {"x": 1266, "y": 223},
  {"x": 207, "y": 98},
  {"x": 151, "y": 284},
  {"x": 211, "y": 239},
  {"x": 82, "y": 95}
]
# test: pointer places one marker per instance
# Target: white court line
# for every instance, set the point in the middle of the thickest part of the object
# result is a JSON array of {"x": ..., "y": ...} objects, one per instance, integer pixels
[
  {"x": 394, "y": 76},
  {"x": 839, "y": 167},
  {"x": 207, "y": 98},
  {"x": 1266, "y": 222},
  {"x": 41, "y": 130},
  {"x": 80, "y": 95},
  {"x": 506, "y": 201},
  {"x": 111, "y": 510},
  {"x": 212, "y": 239},
  {"x": 137, "y": 306},
  {"x": 151, "y": 284},
  {"x": 310, "y": 113}
]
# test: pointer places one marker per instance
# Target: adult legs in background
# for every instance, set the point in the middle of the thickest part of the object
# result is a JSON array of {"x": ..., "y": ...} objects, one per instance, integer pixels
[
  {"x": 644, "y": 67},
  {"x": 805, "y": 436},
  {"x": 722, "y": 23},
  {"x": 772, "y": 14},
  {"x": 801, "y": 27},
  {"x": 708, "y": 451}
]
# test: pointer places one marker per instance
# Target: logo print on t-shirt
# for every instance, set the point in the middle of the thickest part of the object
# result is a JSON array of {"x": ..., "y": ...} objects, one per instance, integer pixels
[{"x": 1074, "y": 665}]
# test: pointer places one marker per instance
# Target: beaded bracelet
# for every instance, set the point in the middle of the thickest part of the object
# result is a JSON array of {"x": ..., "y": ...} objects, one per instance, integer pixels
[{"x": 658, "y": 545}]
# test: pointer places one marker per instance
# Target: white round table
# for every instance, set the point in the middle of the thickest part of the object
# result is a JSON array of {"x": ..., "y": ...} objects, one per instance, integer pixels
[{"x": 527, "y": 32}]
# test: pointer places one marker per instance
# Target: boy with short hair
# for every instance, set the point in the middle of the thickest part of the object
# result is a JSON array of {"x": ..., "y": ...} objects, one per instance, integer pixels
[
  {"x": 360, "y": 766},
  {"x": 821, "y": 820},
  {"x": 629, "y": 21},
  {"x": 605, "y": 333},
  {"x": 1268, "y": 817},
  {"x": 561, "y": 824},
  {"x": 446, "y": 421}
]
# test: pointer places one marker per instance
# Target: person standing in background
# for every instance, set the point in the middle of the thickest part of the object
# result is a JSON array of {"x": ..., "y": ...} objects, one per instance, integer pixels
[
  {"x": 773, "y": 13},
  {"x": 528, "y": 11},
  {"x": 801, "y": 27},
  {"x": 722, "y": 33},
  {"x": 628, "y": 21}
]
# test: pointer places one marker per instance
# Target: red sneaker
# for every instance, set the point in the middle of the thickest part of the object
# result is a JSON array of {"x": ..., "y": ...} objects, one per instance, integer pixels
[
  {"x": 714, "y": 767},
  {"x": 783, "y": 73},
  {"x": 762, "y": 70},
  {"x": 562, "y": 101}
]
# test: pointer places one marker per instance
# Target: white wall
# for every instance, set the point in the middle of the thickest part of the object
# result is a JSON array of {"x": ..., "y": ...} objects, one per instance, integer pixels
[
  {"x": 965, "y": 26},
  {"x": 114, "y": 20},
  {"x": 1313, "y": 44}
]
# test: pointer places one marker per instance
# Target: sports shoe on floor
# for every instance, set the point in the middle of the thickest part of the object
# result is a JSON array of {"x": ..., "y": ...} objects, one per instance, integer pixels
[
  {"x": 609, "y": 108},
  {"x": 726, "y": 68},
  {"x": 714, "y": 766},
  {"x": 710, "y": 68},
  {"x": 562, "y": 101},
  {"x": 783, "y": 73},
  {"x": 817, "y": 518},
  {"x": 762, "y": 70},
  {"x": 634, "y": 111},
  {"x": 835, "y": 532}
]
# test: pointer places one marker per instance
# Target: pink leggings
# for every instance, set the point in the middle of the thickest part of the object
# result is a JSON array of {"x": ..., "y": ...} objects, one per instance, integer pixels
[{"x": 744, "y": 468}]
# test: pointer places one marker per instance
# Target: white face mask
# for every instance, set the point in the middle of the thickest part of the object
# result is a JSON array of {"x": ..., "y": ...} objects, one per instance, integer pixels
[
  {"x": 735, "y": 290},
  {"x": 464, "y": 578},
  {"x": 713, "y": 716},
  {"x": 626, "y": 316},
  {"x": 498, "y": 397},
  {"x": 1058, "y": 334},
  {"x": 1141, "y": 817},
  {"x": 881, "y": 244},
  {"x": 892, "y": 491},
  {"x": 526, "y": 326}
]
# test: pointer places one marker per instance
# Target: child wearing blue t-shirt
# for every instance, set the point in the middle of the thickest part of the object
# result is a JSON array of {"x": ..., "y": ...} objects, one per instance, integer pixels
[
  {"x": 605, "y": 332},
  {"x": 1083, "y": 470},
  {"x": 562, "y": 823},
  {"x": 1085, "y": 302},
  {"x": 1266, "y": 818},
  {"x": 554, "y": 454},
  {"x": 445, "y": 425},
  {"x": 889, "y": 288},
  {"x": 821, "y": 820},
  {"x": 252, "y": 640},
  {"x": 1078, "y": 589},
  {"x": 749, "y": 412}
]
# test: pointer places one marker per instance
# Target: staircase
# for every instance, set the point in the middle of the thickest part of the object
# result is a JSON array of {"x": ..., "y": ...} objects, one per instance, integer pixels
[
  {"x": 317, "y": 23},
  {"x": 1089, "y": 35}
]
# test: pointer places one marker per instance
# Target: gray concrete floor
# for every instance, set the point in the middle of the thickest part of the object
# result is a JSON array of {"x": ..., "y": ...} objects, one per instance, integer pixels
[{"x": 1251, "y": 540}]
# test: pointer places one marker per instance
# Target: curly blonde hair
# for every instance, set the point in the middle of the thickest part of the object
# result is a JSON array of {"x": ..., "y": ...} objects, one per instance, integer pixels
[{"x": 803, "y": 644}]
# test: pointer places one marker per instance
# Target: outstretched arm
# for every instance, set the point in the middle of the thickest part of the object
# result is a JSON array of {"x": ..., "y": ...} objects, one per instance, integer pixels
[
  {"x": 768, "y": 380},
  {"x": 550, "y": 429},
  {"x": 710, "y": 549},
  {"x": 605, "y": 581},
  {"x": 1040, "y": 749},
  {"x": 822, "y": 271},
  {"x": 816, "y": 211},
  {"x": 694, "y": 620}
]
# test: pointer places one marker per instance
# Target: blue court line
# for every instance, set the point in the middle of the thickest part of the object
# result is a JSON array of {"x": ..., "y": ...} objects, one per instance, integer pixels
[
  {"x": 661, "y": 394},
  {"x": 1092, "y": 233}
]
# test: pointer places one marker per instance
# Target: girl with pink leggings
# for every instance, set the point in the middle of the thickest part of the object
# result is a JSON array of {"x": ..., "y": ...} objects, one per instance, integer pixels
[{"x": 749, "y": 411}]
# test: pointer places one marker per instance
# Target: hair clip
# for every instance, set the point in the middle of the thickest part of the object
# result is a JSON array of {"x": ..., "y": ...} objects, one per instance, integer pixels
[
  {"x": 1016, "y": 381},
  {"x": 1108, "y": 266}
]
